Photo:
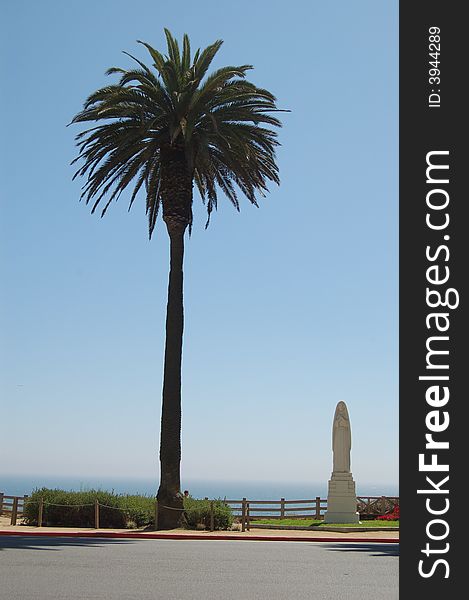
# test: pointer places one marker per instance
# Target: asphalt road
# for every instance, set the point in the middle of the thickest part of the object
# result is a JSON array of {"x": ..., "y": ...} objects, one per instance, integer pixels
[{"x": 105, "y": 569}]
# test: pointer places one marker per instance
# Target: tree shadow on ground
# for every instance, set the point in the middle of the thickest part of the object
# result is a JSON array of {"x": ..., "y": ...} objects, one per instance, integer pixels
[
  {"x": 374, "y": 549},
  {"x": 55, "y": 543}
]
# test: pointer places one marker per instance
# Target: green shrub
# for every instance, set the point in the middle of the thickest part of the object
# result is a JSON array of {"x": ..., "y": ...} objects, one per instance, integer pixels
[
  {"x": 197, "y": 512},
  {"x": 77, "y": 509},
  {"x": 117, "y": 511},
  {"x": 140, "y": 510}
]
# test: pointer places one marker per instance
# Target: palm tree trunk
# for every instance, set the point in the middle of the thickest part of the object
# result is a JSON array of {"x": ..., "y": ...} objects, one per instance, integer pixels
[
  {"x": 170, "y": 501},
  {"x": 176, "y": 193}
]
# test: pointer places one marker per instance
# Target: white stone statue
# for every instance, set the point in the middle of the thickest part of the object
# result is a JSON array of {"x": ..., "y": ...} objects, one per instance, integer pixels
[
  {"x": 341, "y": 498},
  {"x": 341, "y": 439}
]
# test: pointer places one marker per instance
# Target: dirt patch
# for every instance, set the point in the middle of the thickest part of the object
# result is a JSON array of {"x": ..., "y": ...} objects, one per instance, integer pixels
[{"x": 5, "y": 520}]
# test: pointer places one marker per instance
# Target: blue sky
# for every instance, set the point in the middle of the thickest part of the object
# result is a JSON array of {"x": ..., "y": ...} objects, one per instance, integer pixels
[{"x": 289, "y": 308}]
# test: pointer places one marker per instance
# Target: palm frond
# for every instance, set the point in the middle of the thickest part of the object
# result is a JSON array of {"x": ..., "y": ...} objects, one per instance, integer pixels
[{"x": 221, "y": 122}]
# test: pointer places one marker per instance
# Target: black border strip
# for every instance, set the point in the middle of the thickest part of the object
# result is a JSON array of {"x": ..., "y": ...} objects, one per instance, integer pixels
[{"x": 432, "y": 127}]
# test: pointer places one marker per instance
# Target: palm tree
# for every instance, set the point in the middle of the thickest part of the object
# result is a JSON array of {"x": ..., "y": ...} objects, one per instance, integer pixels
[{"x": 164, "y": 129}]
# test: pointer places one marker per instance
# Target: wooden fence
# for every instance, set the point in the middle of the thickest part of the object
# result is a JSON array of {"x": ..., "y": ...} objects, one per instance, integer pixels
[
  {"x": 12, "y": 505},
  {"x": 252, "y": 510},
  {"x": 370, "y": 507},
  {"x": 247, "y": 511}
]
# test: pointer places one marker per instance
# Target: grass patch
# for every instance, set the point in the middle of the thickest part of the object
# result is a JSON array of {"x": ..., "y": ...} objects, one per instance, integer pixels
[
  {"x": 309, "y": 522},
  {"x": 288, "y": 522}
]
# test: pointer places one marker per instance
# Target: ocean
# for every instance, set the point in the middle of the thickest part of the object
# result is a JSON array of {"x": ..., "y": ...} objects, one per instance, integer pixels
[{"x": 231, "y": 490}]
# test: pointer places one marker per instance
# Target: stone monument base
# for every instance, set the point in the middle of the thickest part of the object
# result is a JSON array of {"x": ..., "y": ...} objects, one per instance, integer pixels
[{"x": 341, "y": 499}]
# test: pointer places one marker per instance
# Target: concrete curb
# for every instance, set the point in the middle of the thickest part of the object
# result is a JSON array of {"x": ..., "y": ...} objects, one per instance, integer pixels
[{"x": 195, "y": 536}]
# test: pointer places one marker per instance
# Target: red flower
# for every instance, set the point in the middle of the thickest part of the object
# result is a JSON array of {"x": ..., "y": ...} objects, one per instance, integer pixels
[{"x": 392, "y": 516}]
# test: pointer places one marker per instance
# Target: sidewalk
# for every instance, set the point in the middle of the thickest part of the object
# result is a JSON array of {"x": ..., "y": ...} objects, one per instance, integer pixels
[{"x": 181, "y": 534}]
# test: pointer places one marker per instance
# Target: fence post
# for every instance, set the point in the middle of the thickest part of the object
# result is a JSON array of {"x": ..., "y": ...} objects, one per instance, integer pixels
[
  {"x": 212, "y": 516},
  {"x": 243, "y": 515},
  {"x": 40, "y": 511},
  {"x": 14, "y": 511},
  {"x": 1, "y": 503},
  {"x": 96, "y": 514},
  {"x": 282, "y": 508},
  {"x": 248, "y": 517},
  {"x": 318, "y": 507}
]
